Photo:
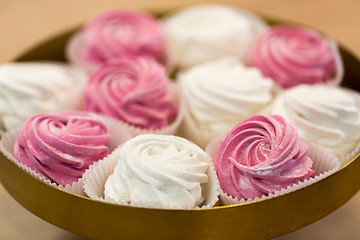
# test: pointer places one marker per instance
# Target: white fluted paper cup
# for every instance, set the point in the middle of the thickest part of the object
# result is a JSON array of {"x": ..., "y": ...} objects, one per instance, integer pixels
[
  {"x": 96, "y": 176},
  {"x": 324, "y": 164},
  {"x": 118, "y": 136}
]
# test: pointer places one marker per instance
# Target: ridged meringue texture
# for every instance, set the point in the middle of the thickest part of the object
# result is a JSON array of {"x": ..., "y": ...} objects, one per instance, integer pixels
[
  {"x": 207, "y": 32},
  {"x": 261, "y": 155},
  {"x": 62, "y": 146},
  {"x": 221, "y": 93},
  {"x": 117, "y": 33},
  {"x": 133, "y": 90},
  {"x": 325, "y": 115},
  {"x": 293, "y": 55},
  {"x": 31, "y": 88},
  {"x": 164, "y": 171}
]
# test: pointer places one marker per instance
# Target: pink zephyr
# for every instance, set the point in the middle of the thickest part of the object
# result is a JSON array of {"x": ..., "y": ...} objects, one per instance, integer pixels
[
  {"x": 260, "y": 156},
  {"x": 293, "y": 55},
  {"x": 117, "y": 33}
]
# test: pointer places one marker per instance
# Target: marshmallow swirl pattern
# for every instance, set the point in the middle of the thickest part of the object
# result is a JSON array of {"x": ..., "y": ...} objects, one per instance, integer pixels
[
  {"x": 221, "y": 93},
  {"x": 325, "y": 115},
  {"x": 292, "y": 56},
  {"x": 261, "y": 155},
  {"x": 61, "y": 146},
  {"x": 164, "y": 171},
  {"x": 134, "y": 90},
  {"x": 119, "y": 33}
]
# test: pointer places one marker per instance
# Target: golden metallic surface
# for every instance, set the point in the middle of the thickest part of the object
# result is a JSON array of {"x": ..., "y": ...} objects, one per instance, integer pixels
[{"x": 256, "y": 220}]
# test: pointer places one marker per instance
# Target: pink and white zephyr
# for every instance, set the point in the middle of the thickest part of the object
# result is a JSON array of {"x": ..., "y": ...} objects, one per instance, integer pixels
[
  {"x": 117, "y": 33},
  {"x": 62, "y": 146},
  {"x": 134, "y": 90},
  {"x": 294, "y": 55},
  {"x": 261, "y": 155}
]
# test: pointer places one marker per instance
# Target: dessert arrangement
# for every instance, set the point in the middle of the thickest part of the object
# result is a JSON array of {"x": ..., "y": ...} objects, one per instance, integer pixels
[{"x": 204, "y": 106}]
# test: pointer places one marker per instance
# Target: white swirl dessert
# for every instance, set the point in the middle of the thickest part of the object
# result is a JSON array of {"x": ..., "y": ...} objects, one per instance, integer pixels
[
  {"x": 31, "y": 88},
  {"x": 220, "y": 94},
  {"x": 164, "y": 171},
  {"x": 325, "y": 115},
  {"x": 208, "y": 32}
]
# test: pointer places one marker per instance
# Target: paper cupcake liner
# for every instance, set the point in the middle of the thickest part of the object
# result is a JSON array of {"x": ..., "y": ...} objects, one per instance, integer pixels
[
  {"x": 348, "y": 157},
  {"x": 344, "y": 160},
  {"x": 192, "y": 132},
  {"x": 324, "y": 163},
  {"x": 211, "y": 189},
  {"x": 73, "y": 53},
  {"x": 8, "y": 140},
  {"x": 74, "y": 100},
  {"x": 96, "y": 176},
  {"x": 119, "y": 134},
  {"x": 356, "y": 150},
  {"x": 171, "y": 129},
  {"x": 189, "y": 128},
  {"x": 339, "y": 66}
]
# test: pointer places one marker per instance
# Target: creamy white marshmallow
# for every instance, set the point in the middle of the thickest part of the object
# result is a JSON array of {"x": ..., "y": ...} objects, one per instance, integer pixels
[
  {"x": 325, "y": 115},
  {"x": 31, "y": 88},
  {"x": 207, "y": 32},
  {"x": 164, "y": 171},
  {"x": 222, "y": 93}
]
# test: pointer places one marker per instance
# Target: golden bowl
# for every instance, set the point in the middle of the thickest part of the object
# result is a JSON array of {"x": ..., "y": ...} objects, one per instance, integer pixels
[{"x": 256, "y": 220}]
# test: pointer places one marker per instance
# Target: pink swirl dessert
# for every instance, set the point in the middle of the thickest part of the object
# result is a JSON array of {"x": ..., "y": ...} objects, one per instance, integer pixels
[
  {"x": 61, "y": 146},
  {"x": 133, "y": 90},
  {"x": 115, "y": 34},
  {"x": 261, "y": 155},
  {"x": 292, "y": 56}
]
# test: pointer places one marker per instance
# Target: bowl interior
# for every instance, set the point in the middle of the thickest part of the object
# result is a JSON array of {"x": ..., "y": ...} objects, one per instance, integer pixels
[{"x": 257, "y": 220}]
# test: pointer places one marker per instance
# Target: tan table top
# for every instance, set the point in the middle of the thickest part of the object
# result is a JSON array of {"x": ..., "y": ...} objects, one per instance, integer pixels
[{"x": 24, "y": 23}]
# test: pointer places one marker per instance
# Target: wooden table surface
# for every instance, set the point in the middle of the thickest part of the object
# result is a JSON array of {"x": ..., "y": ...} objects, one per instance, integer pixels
[{"x": 25, "y": 23}]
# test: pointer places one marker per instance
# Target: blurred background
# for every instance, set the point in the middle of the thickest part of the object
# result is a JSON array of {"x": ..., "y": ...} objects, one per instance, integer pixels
[{"x": 23, "y": 24}]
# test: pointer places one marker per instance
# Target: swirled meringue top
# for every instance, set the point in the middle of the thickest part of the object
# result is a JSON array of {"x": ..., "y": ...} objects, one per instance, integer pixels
[
  {"x": 293, "y": 55},
  {"x": 207, "y": 32},
  {"x": 62, "y": 146},
  {"x": 163, "y": 170},
  {"x": 37, "y": 87},
  {"x": 134, "y": 90},
  {"x": 261, "y": 155},
  {"x": 221, "y": 93},
  {"x": 120, "y": 33},
  {"x": 325, "y": 115}
]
